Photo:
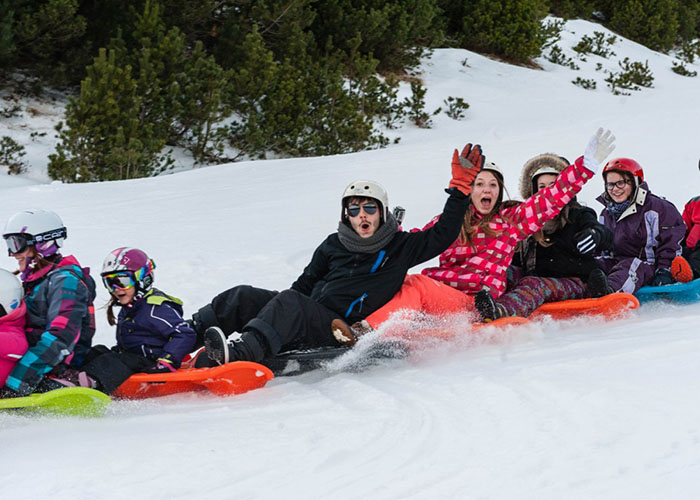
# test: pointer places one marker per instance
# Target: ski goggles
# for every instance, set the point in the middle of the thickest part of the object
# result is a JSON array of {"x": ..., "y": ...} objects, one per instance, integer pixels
[
  {"x": 369, "y": 208},
  {"x": 122, "y": 280},
  {"x": 17, "y": 243}
]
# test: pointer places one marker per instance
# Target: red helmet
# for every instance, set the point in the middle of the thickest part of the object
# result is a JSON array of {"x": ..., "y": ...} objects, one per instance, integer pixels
[{"x": 625, "y": 165}]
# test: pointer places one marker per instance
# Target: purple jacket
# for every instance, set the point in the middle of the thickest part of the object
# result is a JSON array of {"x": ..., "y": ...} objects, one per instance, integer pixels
[
  {"x": 651, "y": 229},
  {"x": 153, "y": 327}
]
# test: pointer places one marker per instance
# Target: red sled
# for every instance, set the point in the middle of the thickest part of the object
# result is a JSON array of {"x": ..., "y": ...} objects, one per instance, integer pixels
[{"x": 232, "y": 378}]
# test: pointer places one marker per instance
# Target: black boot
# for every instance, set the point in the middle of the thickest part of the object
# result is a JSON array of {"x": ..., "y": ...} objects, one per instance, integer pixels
[
  {"x": 487, "y": 307},
  {"x": 201, "y": 320},
  {"x": 597, "y": 285},
  {"x": 249, "y": 347},
  {"x": 216, "y": 345}
]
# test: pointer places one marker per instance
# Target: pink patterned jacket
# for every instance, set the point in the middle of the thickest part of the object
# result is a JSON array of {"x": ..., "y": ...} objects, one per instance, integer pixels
[{"x": 483, "y": 265}]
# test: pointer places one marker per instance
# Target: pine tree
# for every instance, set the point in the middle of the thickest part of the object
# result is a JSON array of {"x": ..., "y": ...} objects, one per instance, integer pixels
[
  {"x": 204, "y": 87},
  {"x": 509, "y": 28},
  {"x": 689, "y": 20},
  {"x": 48, "y": 37},
  {"x": 653, "y": 23},
  {"x": 157, "y": 60},
  {"x": 570, "y": 9},
  {"x": 138, "y": 100},
  {"x": 393, "y": 32},
  {"x": 7, "y": 45},
  {"x": 297, "y": 106},
  {"x": 103, "y": 137}
]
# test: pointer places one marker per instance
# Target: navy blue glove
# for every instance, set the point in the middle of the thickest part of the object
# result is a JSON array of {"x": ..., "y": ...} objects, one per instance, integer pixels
[
  {"x": 663, "y": 277},
  {"x": 163, "y": 365}
]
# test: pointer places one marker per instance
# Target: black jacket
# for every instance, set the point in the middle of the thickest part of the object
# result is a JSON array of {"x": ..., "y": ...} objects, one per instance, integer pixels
[
  {"x": 354, "y": 285},
  {"x": 562, "y": 259}
]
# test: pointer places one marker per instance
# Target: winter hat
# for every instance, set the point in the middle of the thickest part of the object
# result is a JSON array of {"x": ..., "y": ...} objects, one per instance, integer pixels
[{"x": 547, "y": 163}]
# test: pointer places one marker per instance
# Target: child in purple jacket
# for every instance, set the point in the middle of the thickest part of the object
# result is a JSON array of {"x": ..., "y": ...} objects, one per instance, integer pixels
[
  {"x": 152, "y": 336},
  {"x": 647, "y": 229}
]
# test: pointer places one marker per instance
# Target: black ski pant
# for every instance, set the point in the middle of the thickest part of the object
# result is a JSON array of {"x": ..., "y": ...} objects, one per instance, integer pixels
[
  {"x": 285, "y": 320},
  {"x": 692, "y": 255},
  {"x": 111, "y": 369}
]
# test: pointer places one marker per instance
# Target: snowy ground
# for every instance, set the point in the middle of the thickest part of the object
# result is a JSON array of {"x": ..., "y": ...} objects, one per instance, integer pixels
[{"x": 582, "y": 409}]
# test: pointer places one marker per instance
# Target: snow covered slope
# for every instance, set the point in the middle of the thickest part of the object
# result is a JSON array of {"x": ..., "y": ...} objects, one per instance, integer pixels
[{"x": 582, "y": 409}]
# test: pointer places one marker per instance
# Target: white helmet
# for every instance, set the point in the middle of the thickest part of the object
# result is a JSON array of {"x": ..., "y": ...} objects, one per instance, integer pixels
[
  {"x": 366, "y": 189},
  {"x": 41, "y": 228},
  {"x": 11, "y": 292},
  {"x": 492, "y": 167}
]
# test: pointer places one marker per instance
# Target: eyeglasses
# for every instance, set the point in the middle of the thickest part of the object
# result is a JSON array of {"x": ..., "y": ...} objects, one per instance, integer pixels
[
  {"x": 617, "y": 184},
  {"x": 17, "y": 243},
  {"x": 369, "y": 208},
  {"x": 122, "y": 280}
]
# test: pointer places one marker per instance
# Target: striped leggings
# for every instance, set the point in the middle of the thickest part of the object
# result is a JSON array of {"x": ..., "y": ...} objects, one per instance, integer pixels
[{"x": 533, "y": 291}]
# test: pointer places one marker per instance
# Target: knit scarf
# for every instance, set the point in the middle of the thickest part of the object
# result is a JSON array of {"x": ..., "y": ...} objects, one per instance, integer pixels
[
  {"x": 617, "y": 209},
  {"x": 381, "y": 238}
]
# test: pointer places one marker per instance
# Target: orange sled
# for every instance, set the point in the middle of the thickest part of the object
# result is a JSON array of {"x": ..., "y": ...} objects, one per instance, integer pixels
[
  {"x": 609, "y": 306},
  {"x": 232, "y": 378},
  {"x": 447, "y": 333},
  {"x": 503, "y": 322}
]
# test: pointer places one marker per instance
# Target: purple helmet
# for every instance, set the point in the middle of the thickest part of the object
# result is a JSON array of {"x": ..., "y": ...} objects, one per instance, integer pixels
[{"x": 132, "y": 263}]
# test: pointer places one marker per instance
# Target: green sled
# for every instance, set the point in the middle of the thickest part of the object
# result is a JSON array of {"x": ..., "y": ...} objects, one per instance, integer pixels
[{"x": 69, "y": 401}]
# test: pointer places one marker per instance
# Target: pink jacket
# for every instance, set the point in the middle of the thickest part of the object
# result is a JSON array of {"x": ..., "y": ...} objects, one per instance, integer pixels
[
  {"x": 13, "y": 342},
  {"x": 483, "y": 265},
  {"x": 691, "y": 217}
]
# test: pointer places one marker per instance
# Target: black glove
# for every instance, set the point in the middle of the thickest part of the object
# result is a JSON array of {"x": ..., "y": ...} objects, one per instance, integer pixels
[
  {"x": 663, "y": 277},
  {"x": 587, "y": 240}
]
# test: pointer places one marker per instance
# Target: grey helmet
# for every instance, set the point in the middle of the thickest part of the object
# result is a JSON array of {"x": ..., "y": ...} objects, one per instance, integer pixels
[{"x": 366, "y": 189}]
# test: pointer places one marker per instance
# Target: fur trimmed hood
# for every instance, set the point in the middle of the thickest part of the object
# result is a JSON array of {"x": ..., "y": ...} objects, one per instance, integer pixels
[{"x": 531, "y": 166}]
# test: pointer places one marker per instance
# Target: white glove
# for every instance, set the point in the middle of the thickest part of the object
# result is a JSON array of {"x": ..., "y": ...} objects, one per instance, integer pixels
[{"x": 599, "y": 147}]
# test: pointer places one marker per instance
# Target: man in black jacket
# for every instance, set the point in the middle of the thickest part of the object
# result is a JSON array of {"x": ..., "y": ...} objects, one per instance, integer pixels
[{"x": 351, "y": 274}]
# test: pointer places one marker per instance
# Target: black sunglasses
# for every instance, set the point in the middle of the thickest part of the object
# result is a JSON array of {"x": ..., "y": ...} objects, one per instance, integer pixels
[{"x": 369, "y": 208}]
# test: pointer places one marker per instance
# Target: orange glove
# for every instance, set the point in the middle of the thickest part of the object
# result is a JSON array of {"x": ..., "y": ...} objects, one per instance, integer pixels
[{"x": 465, "y": 167}]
